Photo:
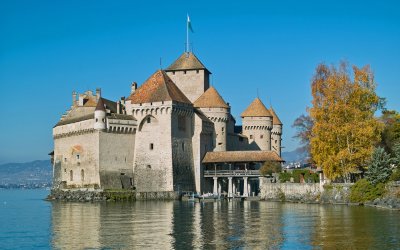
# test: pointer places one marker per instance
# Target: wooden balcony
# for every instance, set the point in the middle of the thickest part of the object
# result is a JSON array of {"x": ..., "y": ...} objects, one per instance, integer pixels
[{"x": 231, "y": 173}]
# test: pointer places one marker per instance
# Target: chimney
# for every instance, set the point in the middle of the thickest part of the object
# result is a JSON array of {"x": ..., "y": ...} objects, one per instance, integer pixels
[
  {"x": 118, "y": 107},
  {"x": 133, "y": 87},
  {"x": 98, "y": 93},
  {"x": 73, "y": 98},
  {"x": 123, "y": 111}
]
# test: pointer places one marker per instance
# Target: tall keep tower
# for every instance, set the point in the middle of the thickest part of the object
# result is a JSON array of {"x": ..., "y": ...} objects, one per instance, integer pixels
[
  {"x": 257, "y": 125},
  {"x": 190, "y": 75},
  {"x": 216, "y": 109},
  {"x": 276, "y": 137}
]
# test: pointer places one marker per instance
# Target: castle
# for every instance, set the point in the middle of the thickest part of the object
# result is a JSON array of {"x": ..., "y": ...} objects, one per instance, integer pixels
[{"x": 175, "y": 132}]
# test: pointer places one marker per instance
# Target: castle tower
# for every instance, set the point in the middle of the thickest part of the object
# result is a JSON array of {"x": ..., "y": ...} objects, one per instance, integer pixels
[
  {"x": 276, "y": 137},
  {"x": 100, "y": 116},
  {"x": 163, "y": 159},
  {"x": 216, "y": 109},
  {"x": 257, "y": 125},
  {"x": 190, "y": 75}
]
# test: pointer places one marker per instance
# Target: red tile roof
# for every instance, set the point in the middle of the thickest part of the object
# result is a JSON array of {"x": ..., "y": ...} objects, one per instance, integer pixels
[
  {"x": 275, "y": 118},
  {"x": 256, "y": 109},
  {"x": 187, "y": 61},
  {"x": 159, "y": 87},
  {"x": 210, "y": 99}
]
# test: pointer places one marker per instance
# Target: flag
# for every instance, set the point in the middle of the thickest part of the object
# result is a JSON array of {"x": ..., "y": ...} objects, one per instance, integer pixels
[{"x": 189, "y": 24}]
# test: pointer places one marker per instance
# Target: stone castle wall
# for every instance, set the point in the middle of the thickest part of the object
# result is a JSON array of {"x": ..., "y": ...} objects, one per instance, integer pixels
[
  {"x": 193, "y": 83},
  {"x": 116, "y": 159},
  {"x": 76, "y": 159}
]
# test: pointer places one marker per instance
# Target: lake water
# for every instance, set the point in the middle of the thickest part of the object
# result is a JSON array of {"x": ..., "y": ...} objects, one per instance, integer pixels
[{"x": 29, "y": 222}]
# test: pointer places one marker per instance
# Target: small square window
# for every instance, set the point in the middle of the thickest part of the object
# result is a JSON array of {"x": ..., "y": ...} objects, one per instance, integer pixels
[
  {"x": 148, "y": 166},
  {"x": 251, "y": 136},
  {"x": 151, "y": 146},
  {"x": 261, "y": 136}
]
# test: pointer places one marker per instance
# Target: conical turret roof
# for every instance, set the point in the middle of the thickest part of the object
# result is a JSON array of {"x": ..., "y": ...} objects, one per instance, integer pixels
[
  {"x": 187, "y": 61},
  {"x": 275, "y": 118},
  {"x": 158, "y": 87},
  {"x": 256, "y": 108},
  {"x": 100, "y": 105},
  {"x": 210, "y": 99}
]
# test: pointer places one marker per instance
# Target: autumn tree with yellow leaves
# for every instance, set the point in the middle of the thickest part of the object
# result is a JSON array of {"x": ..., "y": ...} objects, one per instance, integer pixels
[{"x": 344, "y": 130}]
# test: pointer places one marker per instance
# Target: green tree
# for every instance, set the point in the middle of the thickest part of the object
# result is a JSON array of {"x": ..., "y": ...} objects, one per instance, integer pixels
[
  {"x": 270, "y": 167},
  {"x": 344, "y": 130},
  {"x": 379, "y": 167},
  {"x": 391, "y": 132}
]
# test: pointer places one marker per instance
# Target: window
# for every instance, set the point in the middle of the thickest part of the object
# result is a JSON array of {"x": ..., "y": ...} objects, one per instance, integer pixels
[
  {"x": 261, "y": 136},
  {"x": 65, "y": 170},
  {"x": 82, "y": 175},
  {"x": 251, "y": 136},
  {"x": 219, "y": 143},
  {"x": 65, "y": 159},
  {"x": 184, "y": 72},
  {"x": 197, "y": 71},
  {"x": 148, "y": 166},
  {"x": 151, "y": 146},
  {"x": 183, "y": 146},
  {"x": 71, "y": 175},
  {"x": 173, "y": 72},
  {"x": 77, "y": 157},
  {"x": 79, "y": 164},
  {"x": 103, "y": 120},
  {"x": 148, "y": 119},
  {"x": 222, "y": 129},
  {"x": 276, "y": 141},
  {"x": 97, "y": 120}
]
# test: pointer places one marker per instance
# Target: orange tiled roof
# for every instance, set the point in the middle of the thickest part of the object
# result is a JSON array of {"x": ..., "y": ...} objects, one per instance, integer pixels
[
  {"x": 241, "y": 156},
  {"x": 210, "y": 99},
  {"x": 275, "y": 118},
  {"x": 159, "y": 87},
  {"x": 256, "y": 108},
  {"x": 186, "y": 61}
]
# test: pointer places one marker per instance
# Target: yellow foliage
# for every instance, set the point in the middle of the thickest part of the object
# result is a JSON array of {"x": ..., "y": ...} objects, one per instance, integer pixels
[{"x": 345, "y": 129}]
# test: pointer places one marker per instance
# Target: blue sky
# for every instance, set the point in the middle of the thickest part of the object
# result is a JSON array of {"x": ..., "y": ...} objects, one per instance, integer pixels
[{"x": 50, "y": 48}]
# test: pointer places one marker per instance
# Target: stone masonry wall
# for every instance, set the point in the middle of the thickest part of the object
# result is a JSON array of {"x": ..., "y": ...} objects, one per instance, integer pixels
[
  {"x": 76, "y": 158},
  {"x": 116, "y": 158},
  {"x": 193, "y": 83}
]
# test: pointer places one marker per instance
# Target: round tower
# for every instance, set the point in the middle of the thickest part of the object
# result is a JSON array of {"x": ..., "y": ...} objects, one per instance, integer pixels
[
  {"x": 276, "y": 132},
  {"x": 257, "y": 125},
  {"x": 100, "y": 116},
  {"x": 216, "y": 109}
]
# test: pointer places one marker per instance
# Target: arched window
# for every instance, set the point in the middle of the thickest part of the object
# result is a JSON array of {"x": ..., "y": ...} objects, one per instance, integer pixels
[
  {"x": 82, "y": 175},
  {"x": 71, "y": 175}
]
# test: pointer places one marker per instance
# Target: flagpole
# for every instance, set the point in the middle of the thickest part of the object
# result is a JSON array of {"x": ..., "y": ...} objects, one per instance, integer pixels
[{"x": 187, "y": 33}]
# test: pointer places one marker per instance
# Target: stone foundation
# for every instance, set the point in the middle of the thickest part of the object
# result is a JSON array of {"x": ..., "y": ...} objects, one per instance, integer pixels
[{"x": 90, "y": 195}]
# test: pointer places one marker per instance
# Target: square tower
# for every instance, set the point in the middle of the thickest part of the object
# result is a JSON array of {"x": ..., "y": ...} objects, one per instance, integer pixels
[{"x": 190, "y": 75}]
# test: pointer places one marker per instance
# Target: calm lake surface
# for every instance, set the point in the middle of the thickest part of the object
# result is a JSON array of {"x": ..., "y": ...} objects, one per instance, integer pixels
[{"x": 29, "y": 222}]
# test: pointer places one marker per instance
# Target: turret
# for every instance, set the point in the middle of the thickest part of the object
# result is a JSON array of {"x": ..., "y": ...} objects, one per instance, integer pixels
[
  {"x": 100, "y": 116},
  {"x": 257, "y": 125},
  {"x": 276, "y": 137},
  {"x": 216, "y": 109}
]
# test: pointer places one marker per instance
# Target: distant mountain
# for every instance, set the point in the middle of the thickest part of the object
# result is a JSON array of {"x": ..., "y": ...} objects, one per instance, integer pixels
[
  {"x": 297, "y": 155},
  {"x": 29, "y": 174}
]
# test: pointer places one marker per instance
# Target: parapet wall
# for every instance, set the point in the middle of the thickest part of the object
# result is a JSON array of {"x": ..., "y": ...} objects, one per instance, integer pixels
[{"x": 305, "y": 192}]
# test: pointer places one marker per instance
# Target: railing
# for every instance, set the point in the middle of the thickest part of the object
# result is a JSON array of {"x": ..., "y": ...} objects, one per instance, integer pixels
[{"x": 233, "y": 173}]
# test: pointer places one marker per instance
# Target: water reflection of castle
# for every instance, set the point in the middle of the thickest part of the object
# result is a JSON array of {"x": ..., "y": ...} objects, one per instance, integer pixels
[{"x": 163, "y": 225}]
